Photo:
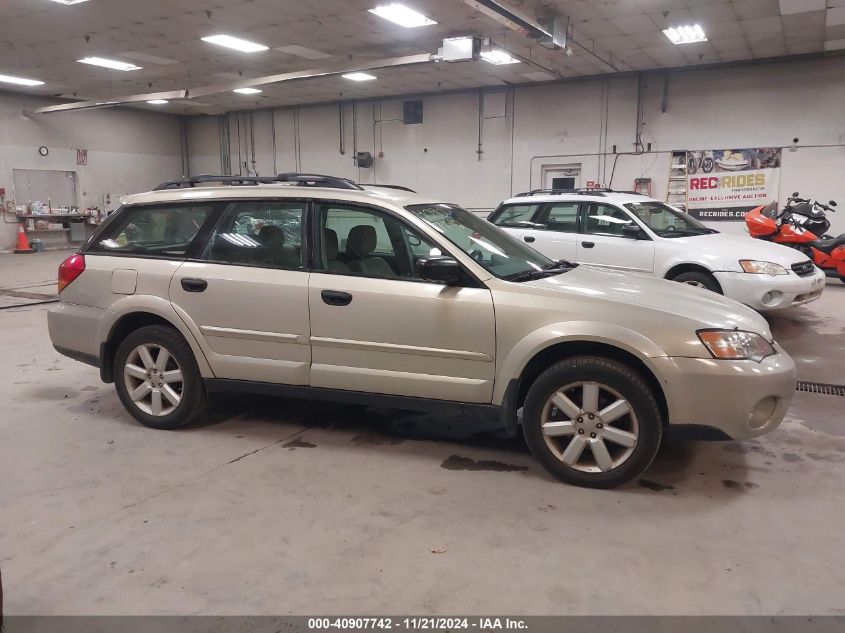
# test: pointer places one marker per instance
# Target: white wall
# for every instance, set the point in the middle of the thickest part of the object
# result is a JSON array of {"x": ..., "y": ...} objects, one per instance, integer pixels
[
  {"x": 579, "y": 122},
  {"x": 128, "y": 150}
]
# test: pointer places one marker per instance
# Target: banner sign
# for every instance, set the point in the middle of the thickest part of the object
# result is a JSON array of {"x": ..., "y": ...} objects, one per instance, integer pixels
[{"x": 725, "y": 184}]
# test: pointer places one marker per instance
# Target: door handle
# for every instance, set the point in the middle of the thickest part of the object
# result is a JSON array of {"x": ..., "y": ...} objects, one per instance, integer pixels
[
  {"x": 190, "y": 284},
  {"x": 335, "y": 298},
  {"x": 588, "y": 244},
  {"x": 529, "y": 238}
]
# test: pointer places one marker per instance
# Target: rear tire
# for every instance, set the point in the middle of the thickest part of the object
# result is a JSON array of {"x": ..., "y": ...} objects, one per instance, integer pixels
[
  {"x": 157, "y": 378},
  {"x": 592, "y": 422},
  {"x": 700, "y": 280}
]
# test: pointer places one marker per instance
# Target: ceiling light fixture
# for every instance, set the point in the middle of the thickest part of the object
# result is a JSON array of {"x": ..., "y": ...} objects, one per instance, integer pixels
[
  {"x": 158, "y": 101},
  {"x": 401, "y": 15},
  {"x": 498, "y": 57},
  {"x": 247, "y": 91},
  {"x": 108, "y": 63},
  {"x": 70, "y": 1},
  {"x": 685, "y": 34},
  {"x": 20, "y": 81},
  {"x": 235, "y": 43},
  {"x": 359, "y": 76}
]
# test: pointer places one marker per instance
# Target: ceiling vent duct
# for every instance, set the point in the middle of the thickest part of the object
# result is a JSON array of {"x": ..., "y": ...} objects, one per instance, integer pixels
[
  {"x": 558, "y": 31},
  {"x": 461, "y": 49}
]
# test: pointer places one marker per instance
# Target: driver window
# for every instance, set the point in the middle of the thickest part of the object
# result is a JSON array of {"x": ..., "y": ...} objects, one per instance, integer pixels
[
  {"x": 602, "y": 219},
  {"x": 369, "y": 243}
]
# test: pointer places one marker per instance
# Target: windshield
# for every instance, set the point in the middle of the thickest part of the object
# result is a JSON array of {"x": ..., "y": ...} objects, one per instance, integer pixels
[
  {"x": 666, "y": 221},
  {"x": 498, "y": 252}
]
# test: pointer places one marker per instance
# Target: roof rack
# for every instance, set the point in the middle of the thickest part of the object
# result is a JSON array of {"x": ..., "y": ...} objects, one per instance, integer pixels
[
  {"x": 598, "y": 191},
  {"x": 399, "y": 187},
  {"x": 580, "y": 192},
  {"x": 301, "y": 180}
]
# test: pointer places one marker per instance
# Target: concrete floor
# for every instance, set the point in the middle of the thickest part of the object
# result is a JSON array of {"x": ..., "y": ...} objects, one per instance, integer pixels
[{"x": 273, "y": 506}]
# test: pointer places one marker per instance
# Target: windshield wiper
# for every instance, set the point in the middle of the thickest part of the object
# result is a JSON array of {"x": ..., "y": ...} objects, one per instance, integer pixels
[
  {"x": 555, "y": 268},
  {"x": 560, "y": 264}
]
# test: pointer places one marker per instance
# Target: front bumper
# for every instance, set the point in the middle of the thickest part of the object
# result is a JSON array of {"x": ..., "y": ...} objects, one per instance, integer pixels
[
  {"x": 771, "y": 292},
  {"x": 739, "y": 399}
]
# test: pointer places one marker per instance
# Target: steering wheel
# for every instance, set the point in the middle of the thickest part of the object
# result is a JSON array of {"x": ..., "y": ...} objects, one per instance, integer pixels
[{"x": 477, "y": 256}]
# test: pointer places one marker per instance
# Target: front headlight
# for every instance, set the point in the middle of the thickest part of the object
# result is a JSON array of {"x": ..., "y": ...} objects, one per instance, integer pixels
[
  {"x": 762, "y": 268},
  {"x": 736, "y": 345}
]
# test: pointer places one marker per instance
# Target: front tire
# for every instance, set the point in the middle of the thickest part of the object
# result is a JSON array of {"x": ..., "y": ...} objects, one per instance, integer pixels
[
  {"x": 699, "y": 280},
  {"x": 157, "y": 378},
  {"x": 592, "y": 422}
]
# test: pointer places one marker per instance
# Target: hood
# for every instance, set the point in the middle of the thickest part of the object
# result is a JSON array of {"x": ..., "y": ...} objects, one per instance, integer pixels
[
  {"x": 721, "y": 246},
  {"x": 648, "y": 304}
]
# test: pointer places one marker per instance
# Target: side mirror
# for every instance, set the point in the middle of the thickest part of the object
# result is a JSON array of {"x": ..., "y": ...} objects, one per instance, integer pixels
[
  {"x": 632, "y": 231},
  {"x": 795, "y": 194},
  {"x": 441, "y": 269},
  {"x": 833, "y": 203}
]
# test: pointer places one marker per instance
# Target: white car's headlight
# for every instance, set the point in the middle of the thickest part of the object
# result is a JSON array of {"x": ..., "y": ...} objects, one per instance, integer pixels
[
  {"x": 762, "y": 268},
  {"x": 736, "y": 345}
]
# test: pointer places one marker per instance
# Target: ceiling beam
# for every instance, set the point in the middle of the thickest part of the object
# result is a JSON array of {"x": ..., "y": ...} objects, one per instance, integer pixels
[{"x": 203, "y": 91}]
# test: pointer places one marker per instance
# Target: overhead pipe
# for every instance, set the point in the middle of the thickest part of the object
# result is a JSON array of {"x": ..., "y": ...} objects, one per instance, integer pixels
[
  {"x": 480, "y": 151},
  {"x": 342, "y": 146},
  {"x": 521, "y": 23}
]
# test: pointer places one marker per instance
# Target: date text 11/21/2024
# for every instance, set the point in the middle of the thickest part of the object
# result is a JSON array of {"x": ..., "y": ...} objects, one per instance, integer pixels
[{"x": 424, "y": 623}]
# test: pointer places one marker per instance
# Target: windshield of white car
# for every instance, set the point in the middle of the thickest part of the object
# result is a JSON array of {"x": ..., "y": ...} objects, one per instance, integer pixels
[
  {"x": 666, "y": 221},
  {"x": 499, "y": 253}
]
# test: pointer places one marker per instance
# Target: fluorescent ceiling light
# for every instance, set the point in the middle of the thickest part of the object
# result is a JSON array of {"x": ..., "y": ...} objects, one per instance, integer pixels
[
  {"x": 158, "y": 101},
  {"x": 498, "y": 57},
  {"x": 235, "y": 42},
  {"x": 70, "y": 1},
  {"x": 247, "y": 91},
  {"x": 20, "y": 81},
  {"x": 359, "y": 76},
  {"x": 401, "y": 15},
  {"x": 685, "y": 34},
  {"x": 108, "y": 63}
]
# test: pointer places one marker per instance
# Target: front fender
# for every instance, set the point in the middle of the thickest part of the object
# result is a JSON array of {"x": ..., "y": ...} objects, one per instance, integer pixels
[
  {"x": 160, "y": 307},
  {"x": 528, "y": 347}
]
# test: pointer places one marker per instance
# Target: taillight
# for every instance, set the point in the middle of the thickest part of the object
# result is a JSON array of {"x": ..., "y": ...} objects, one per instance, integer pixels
[{"x": 70, "y": 269}]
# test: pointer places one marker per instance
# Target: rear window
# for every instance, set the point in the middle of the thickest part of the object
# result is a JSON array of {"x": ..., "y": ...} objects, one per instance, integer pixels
[{"x": 163, "y": 230}]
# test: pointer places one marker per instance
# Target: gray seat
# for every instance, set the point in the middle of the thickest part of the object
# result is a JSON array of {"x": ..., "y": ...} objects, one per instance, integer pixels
[
  {"x": 330, "y": 248},
  {"x": 360, "y": 243},
  {"x": 280, "y": 254}
]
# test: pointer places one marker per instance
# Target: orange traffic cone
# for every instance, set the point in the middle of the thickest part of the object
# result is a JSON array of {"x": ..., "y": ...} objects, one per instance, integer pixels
[{"x": 23, "y": 244}]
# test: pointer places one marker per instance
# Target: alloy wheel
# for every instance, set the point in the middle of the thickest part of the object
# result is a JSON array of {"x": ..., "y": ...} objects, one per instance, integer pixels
[
  {"x": 589, "y": 415},
  {"x": 153, "y": 379}
]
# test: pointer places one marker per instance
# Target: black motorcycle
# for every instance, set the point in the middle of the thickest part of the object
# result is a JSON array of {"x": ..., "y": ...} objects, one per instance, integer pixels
[{"x": 810, "y": 215}]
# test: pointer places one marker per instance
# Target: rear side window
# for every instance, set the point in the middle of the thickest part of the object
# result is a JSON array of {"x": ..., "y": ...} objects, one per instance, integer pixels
[
  {"x": 160, "y": 230},
  {"x": 562, "y": 216},
  {"x": 267, "y": 234},
  {"x": 517, "y": 215}
]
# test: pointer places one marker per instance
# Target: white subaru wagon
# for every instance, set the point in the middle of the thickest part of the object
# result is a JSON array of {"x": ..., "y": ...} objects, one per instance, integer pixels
[
  {"x": 633, "y": 233},
  {"x": 316, "y": 287}
]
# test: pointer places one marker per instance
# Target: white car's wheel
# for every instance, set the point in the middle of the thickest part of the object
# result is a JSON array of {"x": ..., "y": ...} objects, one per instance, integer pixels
[{"x": 699, "y": 280}]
